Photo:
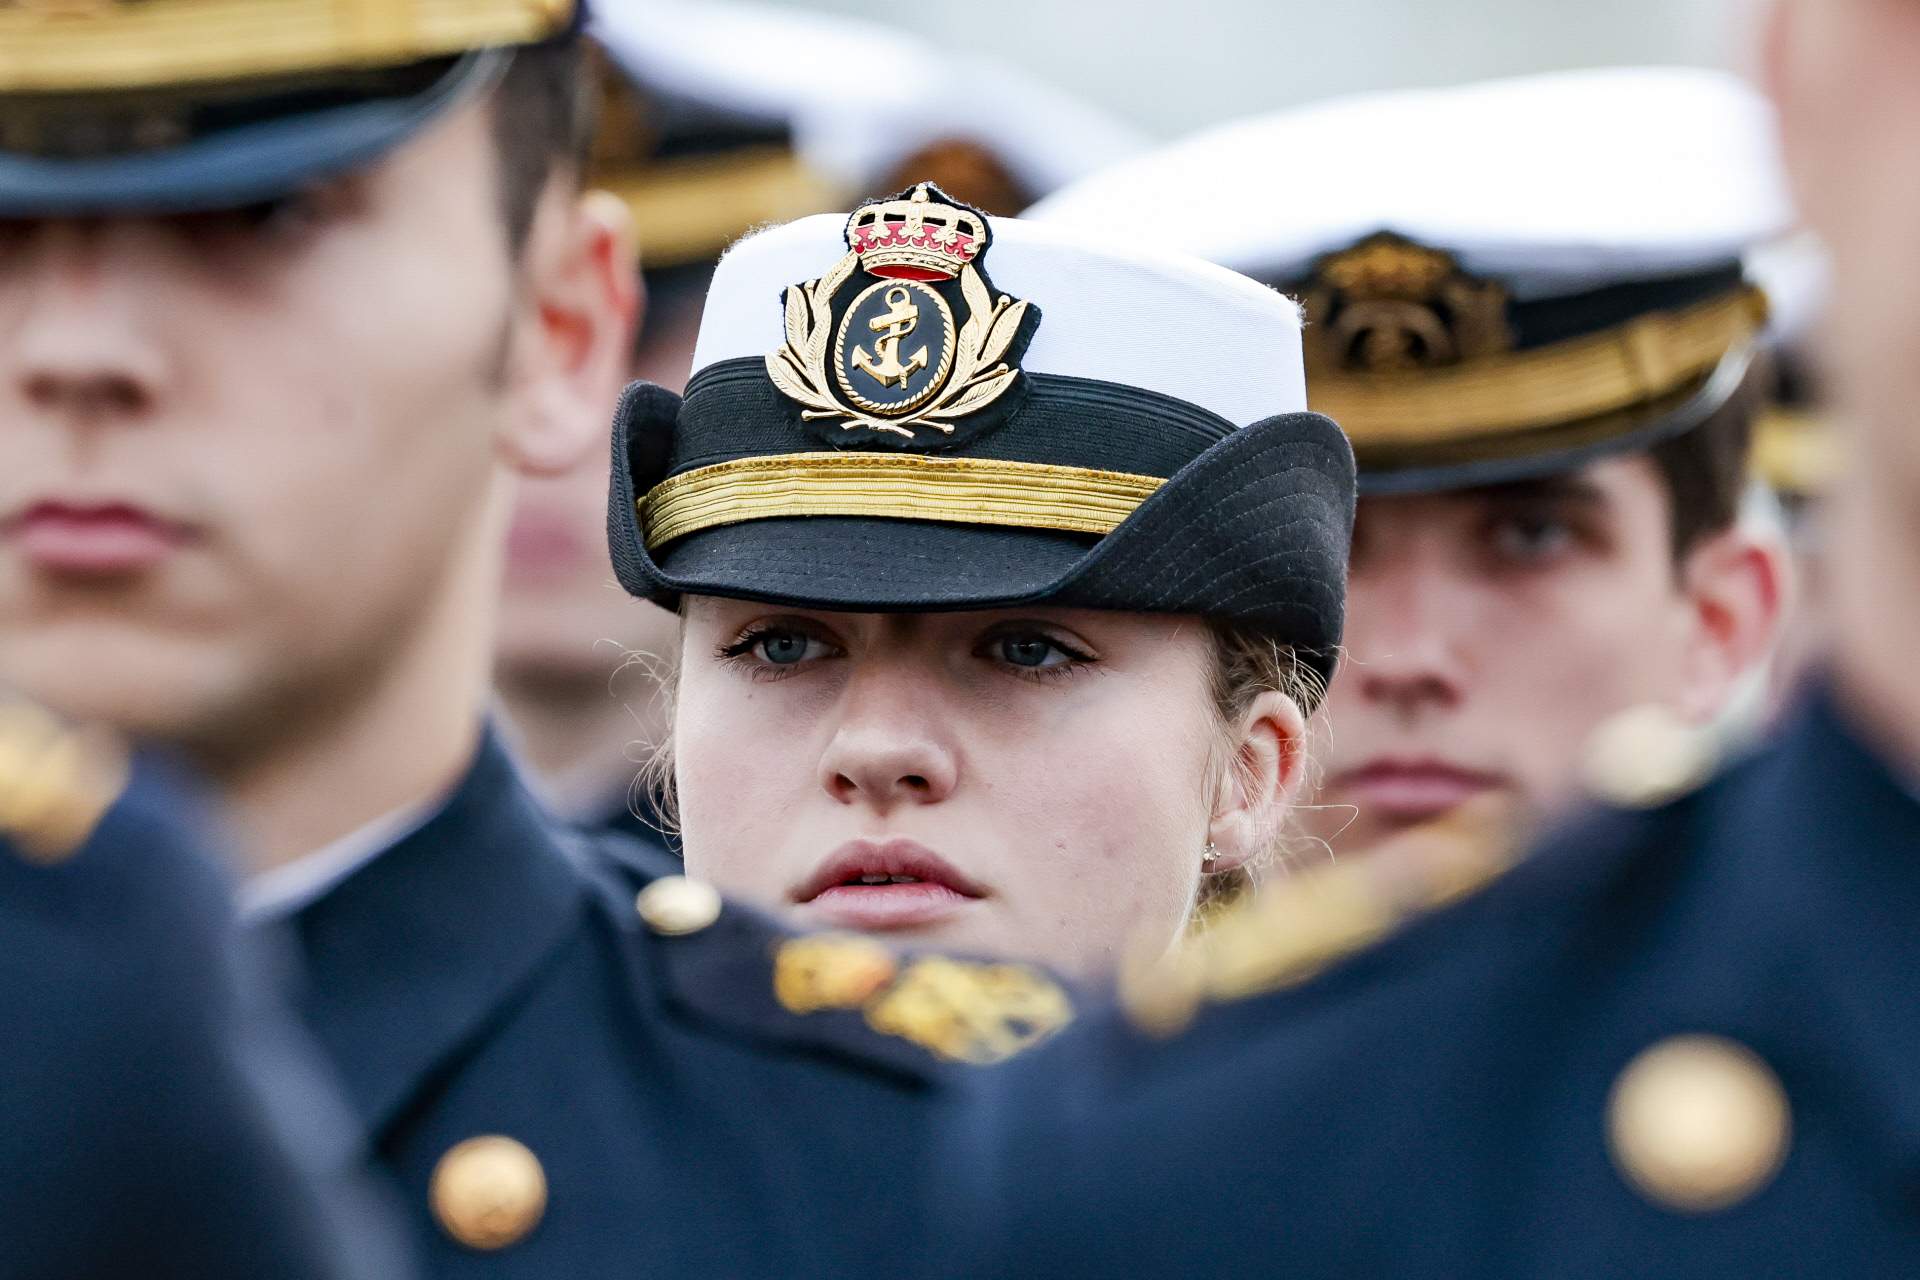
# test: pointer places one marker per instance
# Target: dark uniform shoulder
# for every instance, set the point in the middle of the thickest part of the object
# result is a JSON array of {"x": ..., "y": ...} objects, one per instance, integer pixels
[
  {"x": 843, "y": 996},
  {"x": 123, "y": 1008},
  {"x": 1477, "y": 905}
]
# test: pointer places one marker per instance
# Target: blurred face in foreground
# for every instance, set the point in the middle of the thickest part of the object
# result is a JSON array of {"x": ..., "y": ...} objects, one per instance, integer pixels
[
  {"x": 1491, "y": 631},
  {"x": 251, "y": 459},
  {"x": 1038, "y": 783},
  {"x": 1846, "y": 76}
]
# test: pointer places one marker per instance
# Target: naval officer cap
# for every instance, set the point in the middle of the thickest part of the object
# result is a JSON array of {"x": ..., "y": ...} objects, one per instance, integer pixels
[
  {"x": 1500, "y": 281},
  {"x": 169, "y": 105},
  {"x": 920, "y": 407},
  {"x": 716, "y": 119}
]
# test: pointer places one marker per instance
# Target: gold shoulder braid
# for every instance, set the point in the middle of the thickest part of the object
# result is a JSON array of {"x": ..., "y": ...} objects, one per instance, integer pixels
[
  {"x": 1284, "y": 933},
  {"x": 959, "y": 1010},
  {"x": 55, "y": 783}
]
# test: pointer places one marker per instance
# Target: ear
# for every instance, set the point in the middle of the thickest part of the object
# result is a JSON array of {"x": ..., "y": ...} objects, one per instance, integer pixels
[
  {"x": 1735, "y": 584},
  {"x": 574, "y": 337},
  {"x": 1263, "y": 776}
]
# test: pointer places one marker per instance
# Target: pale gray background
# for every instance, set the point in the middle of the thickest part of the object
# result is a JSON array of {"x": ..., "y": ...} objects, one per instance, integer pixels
[{"x": 1169, "y": 66}]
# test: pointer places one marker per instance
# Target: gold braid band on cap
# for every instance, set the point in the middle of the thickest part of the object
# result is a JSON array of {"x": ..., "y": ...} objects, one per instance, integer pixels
[
  {"x": 690, "y": 208},
  {"x": 1624, "y": 367},
  {"x": 64, "y": 46},
  {"x": 893, "y": 486}
]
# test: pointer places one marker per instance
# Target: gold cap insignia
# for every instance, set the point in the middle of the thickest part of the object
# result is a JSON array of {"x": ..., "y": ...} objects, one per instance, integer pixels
[
  {"x": 1698, "y": 1123},
  {"x": 55, "y": 783},
  {"x": 904, "y": 341},
  {"x": 488, "y": 1192},
  {"x": 1389, "y": 305}
]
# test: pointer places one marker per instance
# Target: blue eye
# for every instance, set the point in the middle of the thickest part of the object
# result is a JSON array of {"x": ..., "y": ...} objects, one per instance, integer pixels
[
  {"x": 784, "y": 648},
  {"x": 1030, "y": 651}
]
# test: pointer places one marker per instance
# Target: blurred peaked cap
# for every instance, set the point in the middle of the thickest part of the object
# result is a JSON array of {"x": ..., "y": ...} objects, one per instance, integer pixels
[
  {"x": 1797, "y": 446},
  {"x": 865, "y": 107},
  {"x": 169, "y": 105},
  {"x": 920, "y": 407},
  {"x": 1502, "y": 279}
]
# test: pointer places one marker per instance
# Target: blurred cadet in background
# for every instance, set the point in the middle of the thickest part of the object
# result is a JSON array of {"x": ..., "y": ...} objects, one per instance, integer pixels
[
  {"x": 1525, "y": 305},
  {"x": 1678, "y": 1041},
  {"x": 1797, "y": 451},
  {"x": 714, "y": 119},
  {"x": 285, "y": 306},
  {"x": 1002, "y": 602},
  {"x": 159, "y": 1121}
]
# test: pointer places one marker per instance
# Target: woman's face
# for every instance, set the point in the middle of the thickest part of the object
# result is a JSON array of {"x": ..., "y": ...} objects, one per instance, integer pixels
[{"x": 1034, "y": 783}]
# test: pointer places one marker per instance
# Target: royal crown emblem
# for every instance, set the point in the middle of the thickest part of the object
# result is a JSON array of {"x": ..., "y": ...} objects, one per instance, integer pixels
[
  {"x": 1389, "y": 305},
  {"x": 904, "y": 342}
]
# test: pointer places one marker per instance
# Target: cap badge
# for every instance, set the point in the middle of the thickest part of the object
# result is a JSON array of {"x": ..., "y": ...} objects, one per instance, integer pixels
[
  {"x": 1389, "y": 305},
  {"x": 904, "y": 342}
]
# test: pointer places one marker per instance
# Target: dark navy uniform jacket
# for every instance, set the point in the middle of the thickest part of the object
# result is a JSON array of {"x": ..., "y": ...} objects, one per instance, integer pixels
[
  {"x": 153, "y": 1122},
  {"x": 1441, "y": 1105},
  {"x": 490, "y": 976}
]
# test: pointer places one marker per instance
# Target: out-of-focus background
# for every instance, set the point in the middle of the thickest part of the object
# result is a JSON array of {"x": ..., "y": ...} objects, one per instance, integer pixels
[{"x": 1169, "y": 66}]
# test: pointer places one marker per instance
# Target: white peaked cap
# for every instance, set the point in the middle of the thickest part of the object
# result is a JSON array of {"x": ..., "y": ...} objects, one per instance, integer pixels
[
  {"x": 859, "y": 97},
  {"x": 1160, "y": 322},
  {"x": 1554, "y": 183}
]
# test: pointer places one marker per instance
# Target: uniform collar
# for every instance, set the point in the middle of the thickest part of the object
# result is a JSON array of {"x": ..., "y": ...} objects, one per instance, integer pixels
[{"x": 409, "y": 955}]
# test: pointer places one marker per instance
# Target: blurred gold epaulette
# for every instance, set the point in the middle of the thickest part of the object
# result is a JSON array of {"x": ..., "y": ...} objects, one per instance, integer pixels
[
  {"x": 1285, "y": 932},
  {"x": 93, "y": 46},
  {"x": 959, "y": 1010},
  {"x": 55, "y": 782}
]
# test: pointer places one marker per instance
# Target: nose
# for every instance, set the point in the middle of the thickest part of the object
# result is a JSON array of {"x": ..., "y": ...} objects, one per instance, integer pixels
[
  {"x": 1407, "y": 641},
  {"x": 889, "y": 748},
  {"x": 79, "y": 348}
]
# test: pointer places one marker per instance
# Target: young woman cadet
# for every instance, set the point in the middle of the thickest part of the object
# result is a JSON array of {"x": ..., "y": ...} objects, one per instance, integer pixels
[{"x": 1008, "y": 566}]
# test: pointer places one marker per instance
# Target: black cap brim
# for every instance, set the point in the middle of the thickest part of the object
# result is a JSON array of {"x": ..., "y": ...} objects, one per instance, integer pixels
[
  {"x": 243, "y": 165},
  {"x": 1254, "y": 532}
]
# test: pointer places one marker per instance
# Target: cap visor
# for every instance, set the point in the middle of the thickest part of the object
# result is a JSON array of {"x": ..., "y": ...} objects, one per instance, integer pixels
[{"x": 239, "y": 166}]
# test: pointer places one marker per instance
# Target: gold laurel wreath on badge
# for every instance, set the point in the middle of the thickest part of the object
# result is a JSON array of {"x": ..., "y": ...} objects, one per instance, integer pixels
[
  {"x": 930, "y": 235},
  {"x": 979, "y": 375}
]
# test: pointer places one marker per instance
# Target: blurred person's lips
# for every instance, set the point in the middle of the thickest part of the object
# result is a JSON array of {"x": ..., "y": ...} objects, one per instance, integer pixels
[
  {"x": 1406, "y": 790},
  {"x": 93, "y": 538},
  {"x": 539, "y": 545},
  {"x": 880, "y": 885}
]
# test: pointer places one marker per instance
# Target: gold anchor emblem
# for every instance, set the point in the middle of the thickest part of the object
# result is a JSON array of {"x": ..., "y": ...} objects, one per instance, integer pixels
[{"x": 899, "y": 320}]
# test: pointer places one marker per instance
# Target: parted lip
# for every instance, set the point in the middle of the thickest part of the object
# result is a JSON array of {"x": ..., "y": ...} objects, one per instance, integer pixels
[{"x": 893, "y": 857}]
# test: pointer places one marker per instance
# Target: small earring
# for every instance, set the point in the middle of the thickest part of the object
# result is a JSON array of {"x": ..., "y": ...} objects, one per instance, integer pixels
[{"x": 1208, "y": 856}]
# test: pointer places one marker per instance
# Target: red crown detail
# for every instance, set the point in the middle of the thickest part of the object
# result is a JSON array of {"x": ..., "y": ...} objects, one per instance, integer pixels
[{"x": 916, "y": 238}]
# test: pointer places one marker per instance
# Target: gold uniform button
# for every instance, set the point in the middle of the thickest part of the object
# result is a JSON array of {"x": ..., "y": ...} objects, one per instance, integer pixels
[
  {"x": 488, "y": 1192},
  {"x": 1698, "y": 1123},
  {"x": 676, "y": 905},
  {"x": 1644, "y": 757}
]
